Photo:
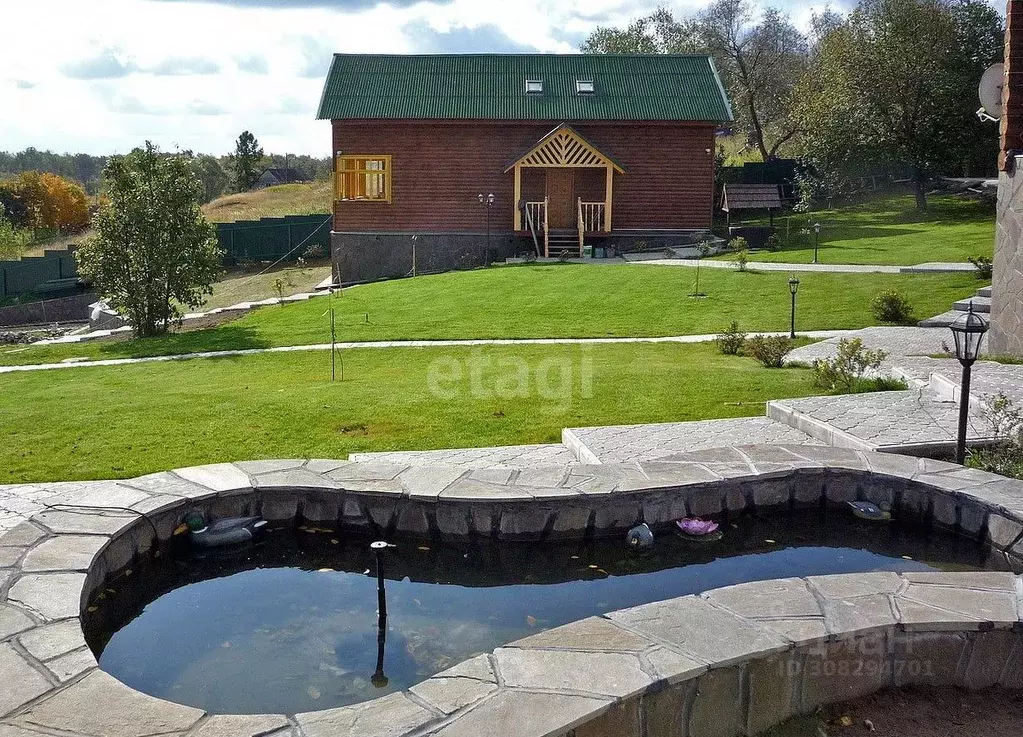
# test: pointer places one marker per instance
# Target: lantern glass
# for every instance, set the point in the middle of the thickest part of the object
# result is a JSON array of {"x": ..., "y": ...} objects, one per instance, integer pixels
[
  {"x": 793, "y": 285},
  {"x": 968, "y": 331},
  {"x": 817, "y": 227}
]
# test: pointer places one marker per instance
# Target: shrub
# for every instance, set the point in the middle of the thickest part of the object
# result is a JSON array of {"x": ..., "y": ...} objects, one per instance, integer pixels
[
  {"x": 740, "y": 252},
  {"x": 892, "y": 306},
  {"x": 843, "y": 373},
  {"x": 731, "y": 340},
  {"x": 983, "y": 268},
  {"x": 770, "y": 350},
  {"x": 1005, "y": 455},
  {"x": 773, "y": 242},
  {"x": 880, "y": 384}
]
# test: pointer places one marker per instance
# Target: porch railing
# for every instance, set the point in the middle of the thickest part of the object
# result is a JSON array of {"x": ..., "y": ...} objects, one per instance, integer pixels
[
  {"x": 546, "y": 229},
  {"x": 591, "y": 216},
  {"x": 537, "y": 212}
]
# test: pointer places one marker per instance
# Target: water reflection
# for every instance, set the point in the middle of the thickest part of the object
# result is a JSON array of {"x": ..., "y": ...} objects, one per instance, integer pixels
[{"x": 299, "y": 622}]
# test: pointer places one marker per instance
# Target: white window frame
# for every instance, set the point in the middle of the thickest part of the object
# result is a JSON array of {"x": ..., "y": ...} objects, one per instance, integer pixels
[
  {"x": 584, "y": 87},
  {"x": 534, "y": 86}
]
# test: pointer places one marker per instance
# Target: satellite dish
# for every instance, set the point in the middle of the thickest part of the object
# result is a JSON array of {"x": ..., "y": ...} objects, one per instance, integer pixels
[{"x": 990, "y": 91}]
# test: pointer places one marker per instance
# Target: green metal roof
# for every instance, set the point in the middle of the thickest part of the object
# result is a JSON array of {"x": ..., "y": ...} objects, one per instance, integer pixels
[{"x": 493, "y": 87}]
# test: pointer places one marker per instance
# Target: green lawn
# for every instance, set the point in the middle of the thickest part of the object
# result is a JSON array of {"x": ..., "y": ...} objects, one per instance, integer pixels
[
  {"x": 889, "y": 231},
  {"x": 253, "y": 284},
  {"x": 118, "y": 422},
  {"x": 551, "y": 301}
]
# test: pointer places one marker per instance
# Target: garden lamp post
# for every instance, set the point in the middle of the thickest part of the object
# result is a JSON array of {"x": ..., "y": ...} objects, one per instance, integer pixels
[
  {"x": 816, "y": 239},
  {"x": 487, "y": 200},
  {"x": 793, "y": 288},
  {"x": 968, "y": 331}
]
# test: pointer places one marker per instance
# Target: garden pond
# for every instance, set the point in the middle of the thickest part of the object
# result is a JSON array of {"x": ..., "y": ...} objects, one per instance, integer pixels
[{"x": 290, "y": 624}]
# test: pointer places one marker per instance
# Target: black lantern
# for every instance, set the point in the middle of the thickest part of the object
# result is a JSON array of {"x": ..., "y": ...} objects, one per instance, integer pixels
[
  {"x": 968, "y": 331},
  {"x": 793, "y": 288},
  {"x": 816, "y": 239}
]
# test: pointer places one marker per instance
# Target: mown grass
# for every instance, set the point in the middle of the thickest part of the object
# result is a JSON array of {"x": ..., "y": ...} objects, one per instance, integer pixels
[
  {"x": 252, "y": 284},
  {"x": 310, "y": 198},
  {"x": 552, "y": 301},
  {"x": 889, "y": 231},
  {"x": 117, "y": 422}
]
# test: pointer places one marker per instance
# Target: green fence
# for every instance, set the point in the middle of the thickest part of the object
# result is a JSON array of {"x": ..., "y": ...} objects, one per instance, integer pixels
[
  {"x": 54, "y": 271},
  {"x": 273, "y": 239}
]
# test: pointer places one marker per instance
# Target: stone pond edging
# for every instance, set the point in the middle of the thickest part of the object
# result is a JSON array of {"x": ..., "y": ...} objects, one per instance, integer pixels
[{"x": 730, "y": 661}]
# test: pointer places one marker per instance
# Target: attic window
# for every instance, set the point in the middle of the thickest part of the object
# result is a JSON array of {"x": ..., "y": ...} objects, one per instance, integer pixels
[
  {"x": 584, "y": 86},
  {"x": 534, "y": 86}
]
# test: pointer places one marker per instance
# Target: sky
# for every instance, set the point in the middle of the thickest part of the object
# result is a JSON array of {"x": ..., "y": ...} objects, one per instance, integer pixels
[{"x": 103, "y": 76}]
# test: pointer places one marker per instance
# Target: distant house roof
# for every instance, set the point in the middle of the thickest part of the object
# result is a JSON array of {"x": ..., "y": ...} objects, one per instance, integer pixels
[
  {"x": 676, "y": 87},
  {"x": 750, "y": 197},
  {"x": 284, "y": 175}
]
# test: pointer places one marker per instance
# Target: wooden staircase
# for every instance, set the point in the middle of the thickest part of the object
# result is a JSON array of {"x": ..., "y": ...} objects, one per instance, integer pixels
[{"x": 563, "y": 243}]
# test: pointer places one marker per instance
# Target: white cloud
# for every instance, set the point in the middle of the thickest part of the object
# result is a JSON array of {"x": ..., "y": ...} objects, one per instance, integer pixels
[{"x": 194, "y": 73}]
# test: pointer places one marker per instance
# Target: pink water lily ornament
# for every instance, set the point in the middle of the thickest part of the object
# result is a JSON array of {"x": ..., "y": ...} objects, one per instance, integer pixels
[{"x": 697, "y": 527}]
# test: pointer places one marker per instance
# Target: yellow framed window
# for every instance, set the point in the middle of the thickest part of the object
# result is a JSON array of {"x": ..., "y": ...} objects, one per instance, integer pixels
[{"x": 363, "y": 178}]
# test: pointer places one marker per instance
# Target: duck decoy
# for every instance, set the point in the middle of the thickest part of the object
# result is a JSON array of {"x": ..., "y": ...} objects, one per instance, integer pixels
[
  {"x": 640, "y": 537},
  {"x": 869, "y": 511},
  {"x": 221, "y": 532}
]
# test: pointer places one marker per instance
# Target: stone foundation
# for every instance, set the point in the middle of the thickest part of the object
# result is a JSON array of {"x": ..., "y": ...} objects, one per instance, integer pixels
[{"x": 366, "y": 257}]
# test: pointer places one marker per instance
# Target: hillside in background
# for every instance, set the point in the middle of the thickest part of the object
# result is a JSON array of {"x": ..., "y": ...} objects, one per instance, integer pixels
[{"x": 273, "y": 202}]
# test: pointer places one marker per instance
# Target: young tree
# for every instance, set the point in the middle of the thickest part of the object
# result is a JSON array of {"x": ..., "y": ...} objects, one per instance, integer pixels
[
  {"x": 895, "y": 84},
  {"x": 246, "y": 162},
  {"x": 153, "y": 250}
]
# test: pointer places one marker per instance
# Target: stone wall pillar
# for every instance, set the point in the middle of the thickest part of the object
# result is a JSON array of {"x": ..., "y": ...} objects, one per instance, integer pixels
[{"x": 1007, "y": 285}]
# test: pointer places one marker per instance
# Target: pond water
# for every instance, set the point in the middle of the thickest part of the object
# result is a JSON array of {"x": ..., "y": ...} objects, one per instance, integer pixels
[{"x": 290, "y": 624}]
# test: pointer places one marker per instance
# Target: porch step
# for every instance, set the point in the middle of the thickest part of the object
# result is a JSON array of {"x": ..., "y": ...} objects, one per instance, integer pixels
[{"x": 980, "y": 304}]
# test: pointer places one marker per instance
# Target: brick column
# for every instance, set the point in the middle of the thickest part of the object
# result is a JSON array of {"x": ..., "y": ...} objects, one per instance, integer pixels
[{"x": 1007, "y": 285}]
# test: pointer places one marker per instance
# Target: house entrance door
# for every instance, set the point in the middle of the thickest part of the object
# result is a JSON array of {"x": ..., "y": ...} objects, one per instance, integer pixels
[{"x": 561, "y": 197}]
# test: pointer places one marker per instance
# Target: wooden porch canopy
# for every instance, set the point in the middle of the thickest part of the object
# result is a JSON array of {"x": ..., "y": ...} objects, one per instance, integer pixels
[{"x": 564, "y": 148}]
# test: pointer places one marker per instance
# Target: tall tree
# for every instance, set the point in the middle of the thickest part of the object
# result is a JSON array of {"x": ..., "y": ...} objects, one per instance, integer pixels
[
  {"x": 212, "y": 175},
  {"x": 246, "y": 161},
  {"x": 761, "y": 60},
  {"x": 894, "y": 84},
  {"x": 66, "y": 208},
  {"x": 760, "y": 57},
  {"x": 153, "y": 249}
]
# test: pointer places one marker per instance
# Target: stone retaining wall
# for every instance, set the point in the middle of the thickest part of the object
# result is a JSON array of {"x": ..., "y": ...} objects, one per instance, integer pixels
[{"x": 731, "y": 661}]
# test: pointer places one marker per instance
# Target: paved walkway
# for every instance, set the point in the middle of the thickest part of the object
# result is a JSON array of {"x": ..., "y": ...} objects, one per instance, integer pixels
[
  {"x": 898, "y": 342},
  {"x": 929, "y": 268},
  {"x": 73, "y": 363}
]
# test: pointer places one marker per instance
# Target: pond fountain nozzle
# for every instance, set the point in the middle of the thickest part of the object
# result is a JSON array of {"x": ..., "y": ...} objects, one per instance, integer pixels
[{"x": 378, "y": 678}]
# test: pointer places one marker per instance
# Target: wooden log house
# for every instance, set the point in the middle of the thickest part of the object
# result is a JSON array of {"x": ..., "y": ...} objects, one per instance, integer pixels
[{"x": 453, "y": 161}]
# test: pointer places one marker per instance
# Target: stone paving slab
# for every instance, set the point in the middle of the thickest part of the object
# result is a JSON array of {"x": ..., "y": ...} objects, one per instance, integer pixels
[
  {"x": 513, "y": 456},
  {"x": 890, "y": 421},
  {"x": 656, "y": 441}
]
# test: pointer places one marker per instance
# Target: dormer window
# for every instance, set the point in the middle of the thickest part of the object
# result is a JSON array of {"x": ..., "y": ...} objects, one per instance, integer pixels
[
  {"x": 584, "y": 86},
  {"x": 534, "y": 86}
]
